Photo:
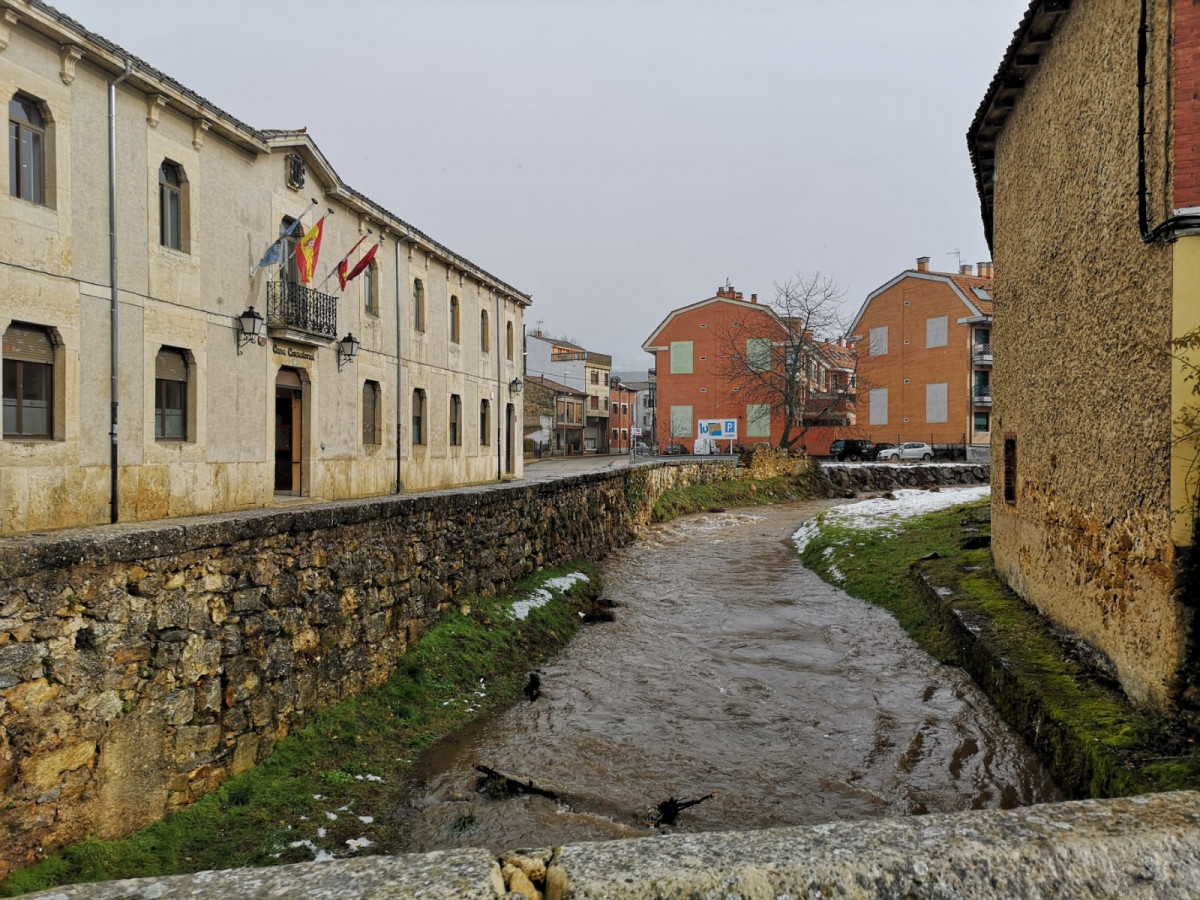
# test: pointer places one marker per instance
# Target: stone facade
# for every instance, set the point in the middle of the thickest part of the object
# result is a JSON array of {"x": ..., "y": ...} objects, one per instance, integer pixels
[
  {"x": 181, "y": 288},
  {"x": 1081, "y": 443},
  {"x": 142, "y": 665}
]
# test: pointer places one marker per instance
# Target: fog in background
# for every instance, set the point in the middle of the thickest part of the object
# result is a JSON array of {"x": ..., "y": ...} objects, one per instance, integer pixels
[{"x": 619, "y": 159}]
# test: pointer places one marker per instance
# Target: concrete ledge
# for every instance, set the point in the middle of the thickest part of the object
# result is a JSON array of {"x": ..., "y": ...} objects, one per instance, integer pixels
[{"x": 1146, "y": 846}]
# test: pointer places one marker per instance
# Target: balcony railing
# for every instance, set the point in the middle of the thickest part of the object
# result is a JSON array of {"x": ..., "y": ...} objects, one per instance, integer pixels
[
  {"x": 300, "y": 308},
  {"x": 982, "y": 393},
  {"x": 982, "y": 353}
]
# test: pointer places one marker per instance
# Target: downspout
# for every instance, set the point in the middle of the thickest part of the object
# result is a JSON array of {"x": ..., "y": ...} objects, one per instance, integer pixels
[
  {"x": 399, "y": 368},
  {"x": 114, "y": 384},
  {"x": 501, "y": 355}
]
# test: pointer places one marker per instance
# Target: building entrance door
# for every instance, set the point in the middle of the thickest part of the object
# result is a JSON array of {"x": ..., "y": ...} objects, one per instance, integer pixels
[
  {"x": 288, "y": 431},
  {"x": 508, "y": 439}
]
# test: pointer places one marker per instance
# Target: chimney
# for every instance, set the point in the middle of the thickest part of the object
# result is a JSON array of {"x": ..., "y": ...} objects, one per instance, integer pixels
[
  {"x": 720, "y": 290},
  {"x": 754, "y": 298},
  {"x": 922, "y": 263},
  {"x": 964, "y": 269},
  {"x": 737, "y": 296},
  {"x": 985, "y": 269}
]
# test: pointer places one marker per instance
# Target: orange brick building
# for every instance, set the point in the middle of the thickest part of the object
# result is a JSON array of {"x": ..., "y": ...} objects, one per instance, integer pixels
[
  {"x": 688, "y": 348},
  {"x": 622, "y": 404},
  {"x": 925, "y": 358}
]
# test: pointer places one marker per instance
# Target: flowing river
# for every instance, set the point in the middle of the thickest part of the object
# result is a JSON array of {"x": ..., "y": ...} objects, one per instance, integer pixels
[{"x": 732, "y": 668}]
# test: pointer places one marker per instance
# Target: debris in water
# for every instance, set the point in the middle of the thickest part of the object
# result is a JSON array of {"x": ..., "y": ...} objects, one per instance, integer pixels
[
  {"x": 533, "y": 687},
  {"x": 497, "y": 783},
  {"x": 668, "y": 811}
]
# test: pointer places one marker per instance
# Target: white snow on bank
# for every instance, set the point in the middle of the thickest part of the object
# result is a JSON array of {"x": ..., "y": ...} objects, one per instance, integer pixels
[
  {"x": 882, "y": 513},
  {"x": 543, "y": 595}
]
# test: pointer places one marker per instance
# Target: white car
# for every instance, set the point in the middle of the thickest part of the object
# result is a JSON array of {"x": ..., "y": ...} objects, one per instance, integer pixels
[{"x": 911, "y": 450}]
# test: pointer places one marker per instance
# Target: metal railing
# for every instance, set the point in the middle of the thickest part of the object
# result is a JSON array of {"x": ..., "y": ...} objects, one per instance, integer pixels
[
  {"x": 982, "y": 350},
  {"x": 301, "y": 308},
  {"x": 982, "y": 390}
]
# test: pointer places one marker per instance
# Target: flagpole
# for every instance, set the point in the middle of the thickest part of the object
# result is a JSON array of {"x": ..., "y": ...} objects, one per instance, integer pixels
[
  {"x": 347, "y": 256},
  {"x": 291, "y": 228}
]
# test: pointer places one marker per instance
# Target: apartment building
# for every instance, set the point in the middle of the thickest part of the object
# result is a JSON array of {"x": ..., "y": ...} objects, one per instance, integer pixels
[
  {"x": 185, "y": 360},
  {"x": 571, "y": 364},
  {"x": 622, "y": 420},
  {"x": 925, "y": 358}
]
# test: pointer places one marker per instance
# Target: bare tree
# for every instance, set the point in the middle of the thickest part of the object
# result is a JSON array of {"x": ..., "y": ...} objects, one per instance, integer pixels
[{"x": 786, "y": 356}]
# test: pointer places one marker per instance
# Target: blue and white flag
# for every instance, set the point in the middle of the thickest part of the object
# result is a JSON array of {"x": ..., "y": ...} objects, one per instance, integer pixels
[{"x": 274, "y": 254}]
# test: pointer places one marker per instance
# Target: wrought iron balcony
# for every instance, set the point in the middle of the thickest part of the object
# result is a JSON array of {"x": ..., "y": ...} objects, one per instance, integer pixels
[
  {"x": 982, "y": 394},
  {"x": 299, "y": 308},
  {"x": 982, "y": 353}
]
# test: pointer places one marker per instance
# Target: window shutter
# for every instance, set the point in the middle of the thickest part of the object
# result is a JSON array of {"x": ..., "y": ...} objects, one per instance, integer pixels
[
  {"x": 170, "y": 365},
  {"x": 369, "y": 404},
  {"x": 28, "y": 345}
]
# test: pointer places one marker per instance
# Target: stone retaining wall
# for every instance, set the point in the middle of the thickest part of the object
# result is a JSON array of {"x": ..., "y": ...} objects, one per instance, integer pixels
[
  {"x": 886, "y": 477},
  {"x": 142, "y": 665}
]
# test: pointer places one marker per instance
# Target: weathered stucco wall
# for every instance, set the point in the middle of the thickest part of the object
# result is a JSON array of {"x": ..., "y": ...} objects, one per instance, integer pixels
[
  {"x": 1082, "y": 317},
  {"x": 141, "y": 665}
]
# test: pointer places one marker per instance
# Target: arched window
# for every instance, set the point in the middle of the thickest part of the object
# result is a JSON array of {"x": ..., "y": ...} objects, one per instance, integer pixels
[
  {"x": 371, "y": 288},
  {"x": 170, "y": 395},
  {"x": 418, "y": 416},
  {"x": 28, "y": 393},
  {"x": 170, "y": 206},
  {"x": 508, "y": 339},
  {"x": 26, "y": 150},
  {"x": 455, "y": 420},
  {"x": 454, "y": 320},
  {"x": 370, "y": 412},
  {"x": 418, "y": 305},
  {"x": 485, "y": 340},
  {"x": 485, "y": 423}
]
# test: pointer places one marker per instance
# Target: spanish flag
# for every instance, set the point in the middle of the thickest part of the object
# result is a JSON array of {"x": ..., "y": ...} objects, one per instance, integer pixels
[{"x": 307, "y": 250}]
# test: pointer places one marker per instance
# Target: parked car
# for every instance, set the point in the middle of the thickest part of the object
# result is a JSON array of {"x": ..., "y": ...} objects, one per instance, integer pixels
[
  {"x": 876, "y": 449},
  {"x": 910, "y": 450},
  {"x": 851, "y": 449},
  {"x": 674, "y": 450},
  {"x": 640, "y": 448}
]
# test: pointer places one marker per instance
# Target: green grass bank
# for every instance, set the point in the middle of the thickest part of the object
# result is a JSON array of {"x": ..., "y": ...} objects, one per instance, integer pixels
[
  {"x": 934, "y": 574},
  {"x": 718, "y": 496},
  {"x": 341, "y": 777}
]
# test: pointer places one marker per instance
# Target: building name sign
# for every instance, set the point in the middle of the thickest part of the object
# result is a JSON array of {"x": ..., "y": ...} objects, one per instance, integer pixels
[{"x": 293, "y": 353}]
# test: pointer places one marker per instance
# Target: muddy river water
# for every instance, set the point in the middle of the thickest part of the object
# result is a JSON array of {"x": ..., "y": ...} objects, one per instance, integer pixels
[{"x": 730, "y": 668}]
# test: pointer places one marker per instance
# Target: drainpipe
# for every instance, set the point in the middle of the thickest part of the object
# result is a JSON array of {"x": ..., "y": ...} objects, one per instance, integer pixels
[
  {"x": 501, "y": 355},
  {"x": 399, "y": 367},
  {"x": 114, "y": 384}
]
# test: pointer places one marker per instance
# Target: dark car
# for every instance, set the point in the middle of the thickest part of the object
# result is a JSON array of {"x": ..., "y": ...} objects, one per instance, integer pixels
[
  {"x": 674, "y": 450},
  {"x": 851, "y": 449},
  {"x": 876, "y": 448}
]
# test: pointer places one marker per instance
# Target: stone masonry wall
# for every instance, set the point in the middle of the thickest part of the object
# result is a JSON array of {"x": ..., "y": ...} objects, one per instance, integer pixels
[{"x": 142, "y": 665}]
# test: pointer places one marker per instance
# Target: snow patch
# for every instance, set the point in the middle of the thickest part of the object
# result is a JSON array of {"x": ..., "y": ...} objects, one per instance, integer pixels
[
  {"x": 543, "y": 595},
  {"x": 883, "y": 513}
]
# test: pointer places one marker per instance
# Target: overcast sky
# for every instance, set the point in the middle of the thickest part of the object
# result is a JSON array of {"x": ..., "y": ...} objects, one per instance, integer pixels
[{"x": 619, "y": 158}]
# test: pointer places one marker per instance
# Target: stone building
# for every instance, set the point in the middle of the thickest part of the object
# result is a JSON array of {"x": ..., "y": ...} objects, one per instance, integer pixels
[
  {"x": 926, "y": 366},
  {"x": 1088, "y": 172},
  {"x": 131, "y": 388},
  {"x": 553, "y": 416}
]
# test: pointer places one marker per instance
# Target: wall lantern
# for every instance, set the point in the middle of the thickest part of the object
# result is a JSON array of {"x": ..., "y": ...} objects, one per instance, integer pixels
[
  {"x": 514, "y": 386},
  {"x": 347, "y": 350},
  {"x": 250, "y": 326}
]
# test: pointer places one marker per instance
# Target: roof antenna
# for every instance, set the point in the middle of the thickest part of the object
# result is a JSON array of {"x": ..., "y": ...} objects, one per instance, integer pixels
[{"x": 958, "y": 260}]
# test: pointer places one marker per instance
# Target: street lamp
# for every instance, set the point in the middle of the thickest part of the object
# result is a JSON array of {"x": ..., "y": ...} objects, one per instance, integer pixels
[
  {"x": 347, "y": 349},
  {"x": 250, "y": 326}
]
